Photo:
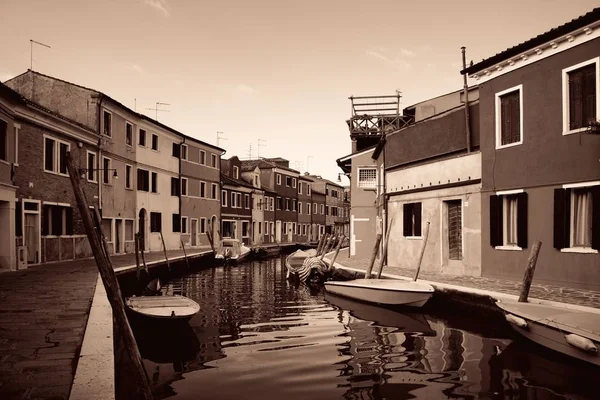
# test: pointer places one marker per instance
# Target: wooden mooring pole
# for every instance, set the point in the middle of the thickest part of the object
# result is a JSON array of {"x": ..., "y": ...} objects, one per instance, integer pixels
[
  {"x": 337, "y": 250},
  {"x": 528, "y": 277},
  {"x": 209, "y": 233},
  {"x": 162, "y": 239},
  {"x": 185, "y": 254},
  {"x": 385, "y": 248},
  {"x": 319, "y": 243},
  {"x": 137, "y": 256},
  {"x": 326, "y": 245},
  {"x": 422, "y": 251},
  {"x": 111, "y": 284},
  {"x": 373, "y": 256}
]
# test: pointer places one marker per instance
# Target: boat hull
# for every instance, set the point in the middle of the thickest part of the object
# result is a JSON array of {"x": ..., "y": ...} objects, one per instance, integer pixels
[
  {"x": 163, "y": 308},
  {"x": 383, "y": 291}
]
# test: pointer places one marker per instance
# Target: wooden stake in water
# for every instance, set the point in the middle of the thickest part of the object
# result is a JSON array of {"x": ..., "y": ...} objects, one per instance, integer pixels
[
  {"x": 337, "y": 250},
  {"x": 137, "y": 256},
  {"x": 422, "y": 250},
  {"x": 373, "y": 256},
  {"x": 111, "y": 284},
  {"x": 185, "y": 254},
  {"x": 165, "y": 251},
  {"x": 528, "y": 277},
  {"x": 385, "y": 249}
]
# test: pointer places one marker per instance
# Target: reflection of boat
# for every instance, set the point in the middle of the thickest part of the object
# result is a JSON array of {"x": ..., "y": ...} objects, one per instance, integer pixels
[
  {"x": 306, "y": 267},
  {"x": 163, "y": 308},
  {"x": 382, "y": 316},
  {"x": 167, "y": 344},
  {"x": 383, "y": 291},
  {"x": 232, "y": 250},
  {"x": 574, "y": 333}
]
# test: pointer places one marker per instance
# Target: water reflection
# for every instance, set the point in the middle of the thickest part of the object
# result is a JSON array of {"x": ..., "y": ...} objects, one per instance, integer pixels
[{"x": 257, "y": 336}]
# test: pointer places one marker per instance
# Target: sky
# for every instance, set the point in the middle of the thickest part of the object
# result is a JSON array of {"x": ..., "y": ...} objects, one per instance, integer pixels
[{"x": 276, "y": 70}]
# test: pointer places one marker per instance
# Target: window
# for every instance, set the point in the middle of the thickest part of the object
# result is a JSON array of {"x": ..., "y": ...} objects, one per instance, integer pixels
[
  {"x": 57, "y": 220},
  {"x": 315, "y": 209},
  {"x": 580, "y": 95},
  {"x": 508, "y": 220},
  {"x": 202, "y": 225},
  {"x": 576, "y": 210},
  {"x": 294, "y": 201},
  {"x": 214, "y": 191},
  {"x": 55, "y": 155},
  {"x": 184, "y": 186},
  {"x": 287, "y": 204},
  {"x": 247, "y": 201},
  {"x": 307, "y": 208},
  {"x": 202, "y": 189},
  {"x": 308, "y": 189},
  {"x": 228, "y": 229},
  {"x": 154, "y": 182},
  {"x": 155, "y": 222},
  {"x": 128, "y": 134},
  {"x": 128, "y": 169},
  {"x": 224, "y": 198},
  {"x": 326, "y": 210},
  {"x": 266, "y": 228},
  {"x": 107, "y": 123},
  {"x": 412, "y": 219},
  {"x": 233, "y": 200},
  {"x": 255, "y": 180},
  {"x": 142, "y": 138},
  {"x": 213, "y": 160},
  {"x": 322, "y": 209},
  {"x": 288, "y": 181},
  {"x": 279, "y": 203},
  {"x": 129, "y": 230},
  {"x": 367, "y": 178},
  {"x": 106, "y": 175},
  {"x": 184, "y": 152},
  {"x": 143, "y": 180},
  {"x": 176, "y": 152},
  {"x": 259, "y": 228},
  {"x": 184, "y": 225},
  {"x": 236, "y": 172},
  {"x": 279, "y": 179},
  {"x": 294, "y": 182},
  {"x": 271, "y": 203},
  {"x": 176, "y": 223},
  {"x": 3, "y": 140},
  {"x": 202, "y": 157},
  {"x": 245, "y": 228},
  {"x": 154, "y": 142},
  {"x": 175, "y": 186},
  {"x": 106, "y": 226},
  {"x": 509, "y": 117},
  {"x": 299, "y": 207},
  {"x": 238, "y": 200},
  {"x": 92, "y": 172}
]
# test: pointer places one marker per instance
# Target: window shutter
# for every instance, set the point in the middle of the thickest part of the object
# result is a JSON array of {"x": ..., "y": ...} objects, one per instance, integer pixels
[
  {"x": 575, "y": 99},
  {"x": 522, "y": 220},
  {"x": 417, "y": 211},
  {"x": 69, "y": 222},
  {"x": 596, "y": 217},
  {"x": 495, "y": 220},
  {"x": 515, "y": 131},
  {"x": 589, "y": 95},
  {"x": 176, "y": 223},
  {"x": 406, "y": 215},
  {"x": 176, "y": 150},
  {"x": 45, "y": 219},
  {"x": 562, "y": 205}
]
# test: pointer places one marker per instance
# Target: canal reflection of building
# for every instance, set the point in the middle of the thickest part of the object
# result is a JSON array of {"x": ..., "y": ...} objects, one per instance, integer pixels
[{"x": 385, "y": 360}]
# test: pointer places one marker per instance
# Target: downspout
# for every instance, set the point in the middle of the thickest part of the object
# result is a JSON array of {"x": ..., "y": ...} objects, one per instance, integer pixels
[
  {"x": 466, "y": 90},
  {"x": 99, "y": 160},
  {"x": 179, "y": 196},
  {"x": 385, "y": 205}
]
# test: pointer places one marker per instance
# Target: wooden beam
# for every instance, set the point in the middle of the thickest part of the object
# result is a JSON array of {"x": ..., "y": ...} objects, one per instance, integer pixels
[
  {"x": 528, "y": 277},
  {"x": 373, "y": 256},
  {"x": 422, "y": 250}
]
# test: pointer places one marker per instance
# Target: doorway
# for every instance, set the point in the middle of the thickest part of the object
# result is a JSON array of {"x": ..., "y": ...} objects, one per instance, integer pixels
[
  {"x": 32, "y": 238},
  {"x": 278, "y": 231},
  {"x": 142, "y": 228},
  {"x": 194, "y": 231},
  {"x": 118, "y": 239}
]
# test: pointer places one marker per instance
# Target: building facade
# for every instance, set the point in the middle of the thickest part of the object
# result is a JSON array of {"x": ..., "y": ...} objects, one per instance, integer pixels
[
  {"x": 317, "y": 215},
  {"x": 251, "y": 175},
  {"x": 304, "y": 231},
  {"x": 236, "y": 202},
  {"x": 540, "y": 160}
]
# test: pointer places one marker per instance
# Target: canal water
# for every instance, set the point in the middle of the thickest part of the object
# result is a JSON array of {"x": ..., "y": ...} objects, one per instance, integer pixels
[{"x": 257, "y": 336}]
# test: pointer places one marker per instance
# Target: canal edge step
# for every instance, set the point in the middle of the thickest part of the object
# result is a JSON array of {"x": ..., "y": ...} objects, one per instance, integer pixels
[
  {"x": 95, "y": 373},
  {"x": 481, "y": 293}
]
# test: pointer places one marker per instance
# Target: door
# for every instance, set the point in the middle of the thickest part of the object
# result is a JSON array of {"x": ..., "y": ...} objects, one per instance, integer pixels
[
  {"x": 455, "y": 230},
  {"x": 194, "y": 229},
  {"x": 32, "y": 237},
  {"x": 118, "y": 239},
  {"x": 278, "y": 231}
]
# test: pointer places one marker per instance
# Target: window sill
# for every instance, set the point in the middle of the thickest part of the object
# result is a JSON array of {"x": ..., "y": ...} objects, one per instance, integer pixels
[
  {"x": 129, "y": 188},
  {"x": 413, "y": 237},
  {"x": 572, "y": 131},
  {"x": 7, "y": 163},
  {"x": 581, "y": 250},
  {"x": 509, "y": 248},
  {"x": 504, "y": 146},
  {"x": 129, "y": 145}
]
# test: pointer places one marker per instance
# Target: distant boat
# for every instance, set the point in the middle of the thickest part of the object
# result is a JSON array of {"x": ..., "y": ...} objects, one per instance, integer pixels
[
  {"x": 163, "y": 307},
  {"x": 232, "y": 250},
  {"x": 304, "y": 266},
  {"x": 574, "y": 333},
  {"x": 383, "y": 291}
]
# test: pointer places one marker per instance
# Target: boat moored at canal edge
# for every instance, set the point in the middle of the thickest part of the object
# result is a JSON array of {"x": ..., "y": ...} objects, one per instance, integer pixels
[
  {"x": 232, "y": 250},
  {"x": 383, "y": 291},
  {"x": 163, "y": 308}
]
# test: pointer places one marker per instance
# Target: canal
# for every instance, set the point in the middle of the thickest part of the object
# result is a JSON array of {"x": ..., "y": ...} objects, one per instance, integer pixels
[{"x": 257, "y": 336}]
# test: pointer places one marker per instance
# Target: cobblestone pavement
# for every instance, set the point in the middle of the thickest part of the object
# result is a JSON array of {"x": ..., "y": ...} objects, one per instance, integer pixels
[
  {"x": 43, "y": 315},
  {"x": 581, "y": 297}
]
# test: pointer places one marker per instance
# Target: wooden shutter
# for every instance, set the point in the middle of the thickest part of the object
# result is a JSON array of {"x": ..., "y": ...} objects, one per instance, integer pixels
[
  {"x": 522, "y": 220},
  {"x": 69, "y": 222},
  {"x": 176, "y": 150},
  {"x": 515, "y": 120},
  {"x": 575, "y": 99},
  {"x": 596, "y": 217},
  {"x": 589, "y": 95},
  {"x": 45, "y": 218},
  {"x": 418, "y": 224},
  {"x": 504, "y": 120},
  {"x": 495, "y": 220},
  {"x": 176, "y": 223},
  {"x": 562, "y": 211},
  {"x": 407, "y": 214}
]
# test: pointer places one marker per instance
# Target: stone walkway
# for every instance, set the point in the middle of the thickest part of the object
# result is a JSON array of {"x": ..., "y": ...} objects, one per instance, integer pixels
[
  {"x": 580, "y": 297},
  {"x": 43, "y": 315}
]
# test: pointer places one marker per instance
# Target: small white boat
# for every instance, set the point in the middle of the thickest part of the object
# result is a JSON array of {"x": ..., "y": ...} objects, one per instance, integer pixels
[
  {"x": 574, "y": 333},
  {"x": 232, "y": 250},
  {"x": 383, "y": 291},
  {"x": 163, "y": 307},
  {"x": 302, "y": 265}
]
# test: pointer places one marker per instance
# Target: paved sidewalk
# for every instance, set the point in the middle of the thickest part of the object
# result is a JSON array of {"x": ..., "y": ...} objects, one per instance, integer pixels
[{"x": 580, "y": 297}]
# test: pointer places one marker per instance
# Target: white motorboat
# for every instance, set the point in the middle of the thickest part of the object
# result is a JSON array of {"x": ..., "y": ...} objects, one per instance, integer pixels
[
  {"x": 302, "y": 265},
  {"x": 383, "y": 291},
  {"x": 571, "y": 332},
  {"x": 163, "y": 307},
  {"x": 232, "y": 250}
]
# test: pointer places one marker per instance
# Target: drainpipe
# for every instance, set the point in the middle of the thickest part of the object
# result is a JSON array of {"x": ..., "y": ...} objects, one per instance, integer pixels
[
  {"x": 385, "y": 205},
  {"x": 179, "y": 197},
  {"x": 99, "y": 160},
  {"x": 466, "y": 89}
]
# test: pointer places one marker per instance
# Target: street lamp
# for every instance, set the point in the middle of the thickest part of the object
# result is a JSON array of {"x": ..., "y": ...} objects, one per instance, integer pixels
[{"x": 83, "y": 171}]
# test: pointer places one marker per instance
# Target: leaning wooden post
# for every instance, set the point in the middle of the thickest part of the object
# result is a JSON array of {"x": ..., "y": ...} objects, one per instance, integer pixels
[
  {"x": 319, "y": 245},
  {"x": 185, "y": 254},
  {"x": 113, "y": 291},
  {"x": 144, "y": 257},
  {"x": 422, "y": 250},
  {"x": 325, "y": 239},
  {"x": 373, "y": 256},
  {"x": 528, "y": 277},
  {"x": 210, "y": 238},
  {"x": 137, "y": 256},
  {"x": 385, "y": 249},
  {"x": 326, "y": 246},
  {"x": 337, "y": 251},
  {"x": 162, "y": 238}
]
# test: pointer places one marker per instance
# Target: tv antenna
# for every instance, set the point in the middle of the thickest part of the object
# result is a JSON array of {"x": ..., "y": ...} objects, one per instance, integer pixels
[
  {"x": 31, "y": 42},
  {"x": 259, "y": 146},
  {"x": 308, "y": 162},
  {"x": 220, "y": 137},
  {"x": 156, "y": 109},
  {"x": 250, "y": 151}
]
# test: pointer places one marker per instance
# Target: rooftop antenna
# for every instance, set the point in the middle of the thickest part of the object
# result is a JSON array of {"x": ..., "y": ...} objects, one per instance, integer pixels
[
  {"x": 31, "y": 42},
  {"x": 308, "y": 162},
  {"x": 156, "y": 109},
  {"x": 250, "y": 151},
  {"x": 259, "y": 146},
  {"x": 219, "y": 137}
]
